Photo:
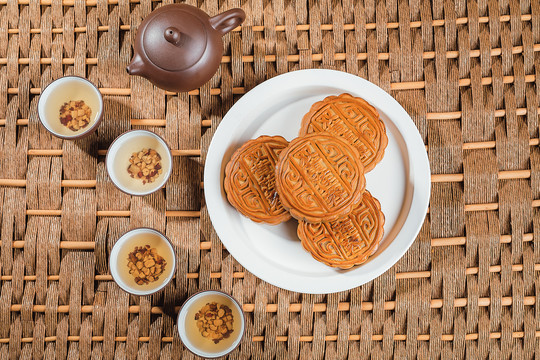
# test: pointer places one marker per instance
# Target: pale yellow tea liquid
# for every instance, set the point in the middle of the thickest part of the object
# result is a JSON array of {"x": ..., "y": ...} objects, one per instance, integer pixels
[
  {"x": 195, "y": 336},
  {"x": 143, "y": 239}
]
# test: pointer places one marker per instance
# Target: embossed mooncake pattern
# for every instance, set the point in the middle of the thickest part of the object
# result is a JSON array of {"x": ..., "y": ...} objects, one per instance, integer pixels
[
  {"x": 353, "y": 119},
  {"x": 250, "y": 181},
  {"x": 348, "y": 241},
  {"x": 319, "y": 177}
]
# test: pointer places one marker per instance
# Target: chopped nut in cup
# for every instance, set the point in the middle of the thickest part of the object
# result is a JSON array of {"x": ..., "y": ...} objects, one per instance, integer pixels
[
  {"x": 145, "y": 165},
  {"x": 215, "y": 321},
  {"x": 75, "y": 115},
  {"x": 145, "y": 264}
]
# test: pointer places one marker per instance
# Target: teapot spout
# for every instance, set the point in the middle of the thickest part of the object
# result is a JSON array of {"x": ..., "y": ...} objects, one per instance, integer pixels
[{"x": 136, "y": 66}]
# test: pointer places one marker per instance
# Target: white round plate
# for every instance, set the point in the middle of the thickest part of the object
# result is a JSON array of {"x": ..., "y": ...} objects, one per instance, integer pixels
[{"x": 401, "y": 182}]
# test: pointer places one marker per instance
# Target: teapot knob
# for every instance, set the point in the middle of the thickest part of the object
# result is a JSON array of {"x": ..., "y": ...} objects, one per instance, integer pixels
[{"x": 173, "y": 35}]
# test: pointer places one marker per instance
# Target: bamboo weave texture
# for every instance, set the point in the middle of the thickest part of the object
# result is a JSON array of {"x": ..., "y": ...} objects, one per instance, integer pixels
[{"x": 468, "y": 73}]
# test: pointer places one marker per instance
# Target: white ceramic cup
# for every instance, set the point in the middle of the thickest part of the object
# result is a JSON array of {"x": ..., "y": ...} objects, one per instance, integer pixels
[
  {"x": 127, "y": 242},
  {"x": 118, "y": 156},
  {"x": 65, "y": 89},
  {"x": 195, "y": 300}
]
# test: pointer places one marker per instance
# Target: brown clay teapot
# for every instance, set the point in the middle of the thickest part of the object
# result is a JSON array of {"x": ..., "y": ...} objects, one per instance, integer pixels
[{"x": 179, "y": 48}]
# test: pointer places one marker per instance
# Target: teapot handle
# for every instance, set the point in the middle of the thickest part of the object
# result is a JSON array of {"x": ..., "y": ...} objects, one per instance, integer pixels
[{"x": 227, "y": 20}]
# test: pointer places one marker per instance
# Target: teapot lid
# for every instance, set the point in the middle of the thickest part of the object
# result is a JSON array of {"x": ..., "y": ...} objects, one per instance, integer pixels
[{"x": 174, "y": 40}]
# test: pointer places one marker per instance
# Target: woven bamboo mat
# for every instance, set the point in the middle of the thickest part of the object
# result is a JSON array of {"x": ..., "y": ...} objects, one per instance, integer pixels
[{"x": 468, "y": 72}]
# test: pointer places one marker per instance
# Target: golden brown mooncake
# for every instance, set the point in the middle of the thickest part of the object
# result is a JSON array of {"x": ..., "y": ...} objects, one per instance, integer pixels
[
  {"x": 352, "y": 118},
  {"x": 319, "y": 177},
  {"x": 250, "y": 180},
  {"x": 348, "y": 241}
]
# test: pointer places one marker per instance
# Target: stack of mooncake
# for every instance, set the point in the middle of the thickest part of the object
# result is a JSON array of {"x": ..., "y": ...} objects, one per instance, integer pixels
[{"x": 318, "y": 179}]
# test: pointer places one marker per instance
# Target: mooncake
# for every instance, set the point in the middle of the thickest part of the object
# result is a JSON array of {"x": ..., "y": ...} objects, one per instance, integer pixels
[
  {"x": 348, "y": 241},
  {"x": 353, "y": 119},
  {"x": 319, "y": 177},
  {"x": 250, "y": 180}
]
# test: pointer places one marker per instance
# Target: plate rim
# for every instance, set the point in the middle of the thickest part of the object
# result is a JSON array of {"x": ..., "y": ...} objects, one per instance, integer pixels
[{"x": 421, "y": 177}]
